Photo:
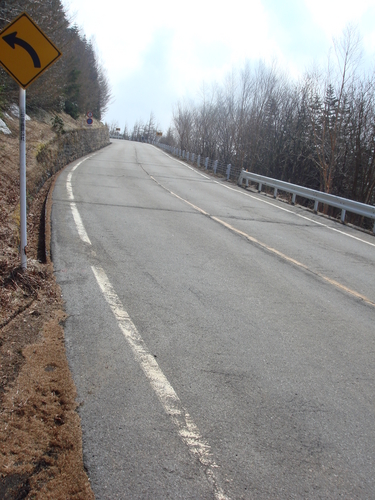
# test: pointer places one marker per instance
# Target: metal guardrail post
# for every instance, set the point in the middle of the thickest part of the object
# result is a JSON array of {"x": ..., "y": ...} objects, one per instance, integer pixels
[
  {"x": 192, "y": 157},
  {"x": 344, "y": 204},
  {"x": 228, "y": 171},
  {"x": 199, "y": 160},
  {"x": 206, "y": 163},
  {"x": 215, "y": 166}
]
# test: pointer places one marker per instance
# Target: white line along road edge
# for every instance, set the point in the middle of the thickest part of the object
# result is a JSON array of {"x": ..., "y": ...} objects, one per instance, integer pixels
[
  {"x": 186, "y": 428},
  {"x": 257, "y": 198},
  {"x": 77, "y": 218}
]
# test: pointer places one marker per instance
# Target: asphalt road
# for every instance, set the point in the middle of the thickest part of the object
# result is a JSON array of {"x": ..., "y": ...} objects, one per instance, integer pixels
[{"x": 222, "y": 342}]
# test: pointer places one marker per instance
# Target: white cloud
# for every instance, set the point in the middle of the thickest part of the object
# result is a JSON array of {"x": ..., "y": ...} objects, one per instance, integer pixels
[
  {"x": 333, "y": 15},
  {"x": 125, "y": 30},
  {"x": 171, "y": 47}
]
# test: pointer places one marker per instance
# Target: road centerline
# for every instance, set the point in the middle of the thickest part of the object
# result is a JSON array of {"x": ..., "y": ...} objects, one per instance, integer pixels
[
  {"x": 84, "y": 237},
  {"x": 272, "y": 250},
  {"x": 186, "y": 428},
  {"x": 243, "y": 193}
]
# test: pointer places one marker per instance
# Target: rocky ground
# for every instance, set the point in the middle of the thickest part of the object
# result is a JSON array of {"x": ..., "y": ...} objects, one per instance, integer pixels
[{"x": 40, "y": 433}]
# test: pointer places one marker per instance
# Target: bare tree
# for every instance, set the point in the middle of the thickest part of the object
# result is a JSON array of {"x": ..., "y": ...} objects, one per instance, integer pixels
[
  {"x": 328, "y": 110},
  {"x": 183, "y": 123},
  {"x": 77, "y": 82}
]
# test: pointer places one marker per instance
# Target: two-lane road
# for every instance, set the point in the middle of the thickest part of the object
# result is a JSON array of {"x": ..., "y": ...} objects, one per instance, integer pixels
[{"x": 222, "y": 343}]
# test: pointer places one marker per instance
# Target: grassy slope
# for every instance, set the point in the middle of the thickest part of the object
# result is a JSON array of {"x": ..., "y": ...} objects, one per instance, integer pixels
[{"x": 40, "y": 434}]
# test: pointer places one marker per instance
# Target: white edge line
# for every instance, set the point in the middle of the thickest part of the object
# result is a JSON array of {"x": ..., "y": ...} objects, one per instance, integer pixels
[
  {"x": 76, "y": 216},
  {"x": 187, "y": 429},
  {"x": 182, "y": 163},
  {"x": 269, "y": 203},
  {"x": 79, "y": 224},
  {"x": 294, "y": 213},
  {"x": 268, "y": 248}
]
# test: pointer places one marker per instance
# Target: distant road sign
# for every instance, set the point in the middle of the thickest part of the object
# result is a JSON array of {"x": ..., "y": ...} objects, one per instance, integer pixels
[
  {"x": 90, "y": 114},
  {"x": 89, "y": 121},
  {"x": 25, "y": 51}
]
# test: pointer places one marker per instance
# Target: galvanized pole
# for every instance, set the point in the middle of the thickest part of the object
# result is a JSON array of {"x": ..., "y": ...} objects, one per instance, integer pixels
[
  {"x": 228, "y": 171},
  {"x": 23, "y": 222}
]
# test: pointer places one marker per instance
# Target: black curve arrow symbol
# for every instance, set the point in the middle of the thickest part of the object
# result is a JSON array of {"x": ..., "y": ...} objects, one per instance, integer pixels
[{"x": 12, "y": 40}]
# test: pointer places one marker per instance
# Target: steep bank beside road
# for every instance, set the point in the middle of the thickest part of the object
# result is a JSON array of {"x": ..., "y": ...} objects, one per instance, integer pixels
[{"x": 40, "y": 434}]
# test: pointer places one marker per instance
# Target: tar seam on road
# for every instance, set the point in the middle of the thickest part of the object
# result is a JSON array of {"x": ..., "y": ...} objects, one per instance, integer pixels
[
  {"x": 336, "y": 284},
  {"x": 83, "y": 235},
  {"x": 186, "y": 428},
  {"x": 268, "y": 202}
]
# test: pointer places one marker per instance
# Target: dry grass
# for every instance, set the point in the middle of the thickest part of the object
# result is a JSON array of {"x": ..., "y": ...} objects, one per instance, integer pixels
[{"x": 40, "y": 434}]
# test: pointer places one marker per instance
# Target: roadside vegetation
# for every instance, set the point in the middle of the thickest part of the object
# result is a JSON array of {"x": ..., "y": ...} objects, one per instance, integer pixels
[
  {"x": 40, "y": 433},
  {"x": 318, "y": 132},
  {"x": 77, "y": 83}
]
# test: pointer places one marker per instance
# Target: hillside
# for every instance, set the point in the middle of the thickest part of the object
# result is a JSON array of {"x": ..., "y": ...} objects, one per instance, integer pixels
[{"x": 40, "y": 437}]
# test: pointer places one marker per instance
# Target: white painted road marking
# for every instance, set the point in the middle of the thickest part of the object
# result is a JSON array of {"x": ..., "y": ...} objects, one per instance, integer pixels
[
  {"x": 270, "y": 249},
  {"x": 183, "y": 163},
  {"x": 240, "y": 191},
  {"x": 76, "y": 216},
  {"x": 257, "y": 198},
  {"x": 83, "y": 235},
  {"x": 186, "y": 428}
]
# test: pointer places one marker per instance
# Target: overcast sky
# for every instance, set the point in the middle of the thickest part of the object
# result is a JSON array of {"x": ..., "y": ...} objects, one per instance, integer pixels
[{"x": 157, "y": 52}]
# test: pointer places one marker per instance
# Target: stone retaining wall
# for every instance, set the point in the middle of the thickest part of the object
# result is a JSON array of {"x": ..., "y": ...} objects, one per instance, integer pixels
[{"x": 64, "y": 149}]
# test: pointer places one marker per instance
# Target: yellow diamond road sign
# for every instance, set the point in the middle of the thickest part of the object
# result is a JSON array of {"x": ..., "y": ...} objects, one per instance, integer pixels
[{"x": 25, "y": 51}]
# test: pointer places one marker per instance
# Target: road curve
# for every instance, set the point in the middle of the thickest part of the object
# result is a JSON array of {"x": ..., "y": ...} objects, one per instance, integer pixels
[{"x": 222, "y": 342}]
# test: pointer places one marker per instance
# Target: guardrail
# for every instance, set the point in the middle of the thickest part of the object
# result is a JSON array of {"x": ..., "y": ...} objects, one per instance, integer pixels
[
  {"x": 310, "y": 194},
  {"x": 343, "y": 204},
  {"x": 202, "y": 161}
]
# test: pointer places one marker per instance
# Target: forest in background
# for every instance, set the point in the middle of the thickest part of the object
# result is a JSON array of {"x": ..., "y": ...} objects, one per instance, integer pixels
[
  {"x": 77, "y": 83},
  {"x": 318, "y": 132}
]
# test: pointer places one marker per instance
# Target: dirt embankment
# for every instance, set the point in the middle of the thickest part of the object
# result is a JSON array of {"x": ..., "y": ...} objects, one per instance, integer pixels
[{"x": 40, "y": 433}]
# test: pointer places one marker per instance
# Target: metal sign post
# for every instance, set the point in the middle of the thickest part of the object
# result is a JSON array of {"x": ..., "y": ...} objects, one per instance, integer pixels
[
  {"x": 90, "y": 120},
  {"x": 23, "y": 219},
  {"x": 25, "y": 53}
]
